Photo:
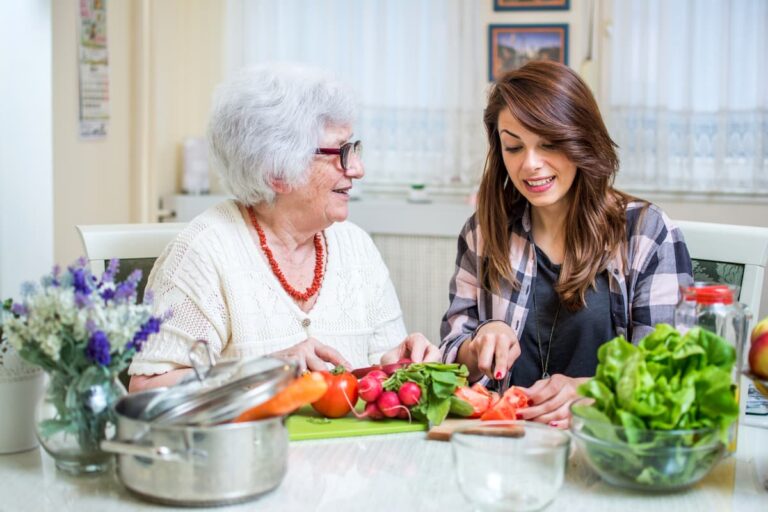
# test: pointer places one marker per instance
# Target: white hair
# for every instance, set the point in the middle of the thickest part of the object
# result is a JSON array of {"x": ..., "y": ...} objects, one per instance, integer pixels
[{"x": 266, "y": 123}]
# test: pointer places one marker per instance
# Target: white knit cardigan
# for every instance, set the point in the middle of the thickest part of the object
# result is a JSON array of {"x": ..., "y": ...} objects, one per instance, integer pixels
[{"x": 218, "y": 286}]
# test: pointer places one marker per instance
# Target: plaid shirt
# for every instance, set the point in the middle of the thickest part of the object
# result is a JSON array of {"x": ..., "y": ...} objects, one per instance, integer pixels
[{"x": 641, "y": 296}]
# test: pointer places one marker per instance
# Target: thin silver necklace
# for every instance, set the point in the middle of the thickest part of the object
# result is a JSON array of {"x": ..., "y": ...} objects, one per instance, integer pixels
[{"x": 544, "y": 363}]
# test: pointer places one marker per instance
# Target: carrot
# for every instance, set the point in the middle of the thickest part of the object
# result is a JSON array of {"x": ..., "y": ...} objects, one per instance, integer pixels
[{"x": 302, "y": 391}]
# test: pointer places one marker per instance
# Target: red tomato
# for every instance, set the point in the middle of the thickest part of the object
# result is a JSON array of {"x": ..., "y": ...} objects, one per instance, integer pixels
[
  {"x": 506, "y": 407},
  {"x": 516, "y": 396},
  {"x": 477, "y": 399},
  {"x": 341, "y": 395}
]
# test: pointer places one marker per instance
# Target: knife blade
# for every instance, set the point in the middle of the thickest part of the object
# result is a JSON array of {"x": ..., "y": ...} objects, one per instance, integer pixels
[{"x": 389, "y": 369}]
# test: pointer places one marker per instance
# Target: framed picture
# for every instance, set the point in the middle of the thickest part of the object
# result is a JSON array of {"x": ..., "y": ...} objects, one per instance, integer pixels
[
  {"x": 511, "y": 46},
  {"x": 531, "y": 5}
]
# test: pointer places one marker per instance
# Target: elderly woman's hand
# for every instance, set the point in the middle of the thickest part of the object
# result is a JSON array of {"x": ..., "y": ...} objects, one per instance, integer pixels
[
  {"x": 552, "y": 399},
  {"x": 310, "y": 354},
  {"x": 415, "y": 347}
]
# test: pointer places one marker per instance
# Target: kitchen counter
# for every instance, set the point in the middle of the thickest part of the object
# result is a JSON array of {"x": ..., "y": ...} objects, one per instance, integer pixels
[{"x": 386, "y": 473}]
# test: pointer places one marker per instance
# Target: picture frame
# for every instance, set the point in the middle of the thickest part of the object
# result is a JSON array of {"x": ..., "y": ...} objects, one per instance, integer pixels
[
  {"x": 531, "y": 5},
  {"x": 511, "y": 46}
]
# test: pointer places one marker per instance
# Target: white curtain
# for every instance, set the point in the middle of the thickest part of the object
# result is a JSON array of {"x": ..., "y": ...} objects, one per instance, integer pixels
[
  {"x": 416, "y": 66},
  {"x": 689, "y": 94}
]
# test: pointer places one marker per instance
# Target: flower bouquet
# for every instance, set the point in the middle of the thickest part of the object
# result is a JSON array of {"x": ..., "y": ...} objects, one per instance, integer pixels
[{"x": 83, "y": 331}]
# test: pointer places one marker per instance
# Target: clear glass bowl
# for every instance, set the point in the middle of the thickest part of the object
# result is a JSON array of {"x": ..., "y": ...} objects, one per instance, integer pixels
[
  {"x": 510, "y": 465},
  {"x": 654, "y": 460}
]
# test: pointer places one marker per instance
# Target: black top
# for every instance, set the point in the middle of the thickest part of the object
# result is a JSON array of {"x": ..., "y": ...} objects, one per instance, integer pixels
[{"x": 577, "y": 335}]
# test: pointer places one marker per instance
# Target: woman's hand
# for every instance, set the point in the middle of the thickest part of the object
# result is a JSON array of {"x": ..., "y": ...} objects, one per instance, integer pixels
[
  {"x": 491, "y": 352},
  {"x": 312, "y": 355},
  {"x": 171, "y": 378},
  {"x": 552, "y": 399},
  {"x": 415, "y": 347}
]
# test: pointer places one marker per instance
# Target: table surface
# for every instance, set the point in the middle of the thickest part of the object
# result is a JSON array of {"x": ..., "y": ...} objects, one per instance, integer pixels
[{"x": 391, "y": 472}]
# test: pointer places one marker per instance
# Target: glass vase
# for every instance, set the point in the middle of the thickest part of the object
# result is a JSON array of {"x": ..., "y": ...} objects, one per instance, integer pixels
[{"x": 74, "y": 416}]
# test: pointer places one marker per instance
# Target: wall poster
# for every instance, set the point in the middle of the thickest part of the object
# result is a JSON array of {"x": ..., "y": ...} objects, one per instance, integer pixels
[{"x": 93, "y": 65}]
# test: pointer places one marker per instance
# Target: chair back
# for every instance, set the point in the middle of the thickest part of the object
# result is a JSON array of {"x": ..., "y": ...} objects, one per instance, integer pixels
[
  {"x": 134, "y": 245},
  {"x": 730, "y": 254}
]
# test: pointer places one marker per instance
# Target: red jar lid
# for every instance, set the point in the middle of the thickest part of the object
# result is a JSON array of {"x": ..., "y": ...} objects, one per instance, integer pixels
[{"x": 710, "y": 294}]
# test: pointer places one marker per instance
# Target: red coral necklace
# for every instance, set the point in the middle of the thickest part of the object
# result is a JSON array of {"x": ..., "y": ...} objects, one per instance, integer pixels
[{"x": 293, "y": 292}]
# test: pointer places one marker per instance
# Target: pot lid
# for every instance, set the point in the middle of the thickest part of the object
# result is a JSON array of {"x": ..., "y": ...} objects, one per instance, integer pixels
[{"x": 219, "y": 392}]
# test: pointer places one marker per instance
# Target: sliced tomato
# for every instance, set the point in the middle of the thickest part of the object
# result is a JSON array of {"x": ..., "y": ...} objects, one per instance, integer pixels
[
  {"x": 516, "y": 396},
  {"x": 505, "y": 408},
  {"x": 480, "y": 389},
  {"x": 479, "y": 401}
]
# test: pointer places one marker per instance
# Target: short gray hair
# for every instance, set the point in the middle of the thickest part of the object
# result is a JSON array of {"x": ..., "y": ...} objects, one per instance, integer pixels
[{"x": 266, "y": 123}]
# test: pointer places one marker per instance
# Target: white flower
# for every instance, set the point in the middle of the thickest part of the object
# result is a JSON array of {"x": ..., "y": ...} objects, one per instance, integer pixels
[{"x": 51, "y": 345}]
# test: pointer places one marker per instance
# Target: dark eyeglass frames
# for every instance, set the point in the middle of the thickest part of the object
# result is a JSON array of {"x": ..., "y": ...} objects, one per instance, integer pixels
[{"x": 344, "y": 151}]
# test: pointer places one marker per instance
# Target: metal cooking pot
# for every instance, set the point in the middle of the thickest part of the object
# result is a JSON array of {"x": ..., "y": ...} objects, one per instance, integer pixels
[
  {"x": 176, "y": 445},
  {"x": 192, "y": 465}
]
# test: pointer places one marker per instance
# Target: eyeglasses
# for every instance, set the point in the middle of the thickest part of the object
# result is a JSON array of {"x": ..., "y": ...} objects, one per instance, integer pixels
[{"x": 344, "y": 151}]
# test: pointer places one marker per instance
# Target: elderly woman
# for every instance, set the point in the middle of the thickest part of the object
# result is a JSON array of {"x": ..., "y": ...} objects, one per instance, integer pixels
[{"x": 277, "y": 270}]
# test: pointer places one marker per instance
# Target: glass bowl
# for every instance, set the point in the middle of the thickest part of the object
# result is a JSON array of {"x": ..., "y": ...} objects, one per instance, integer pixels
[
  {"x": 651, "y": 460},
  {"x": 510, "y": 465}
]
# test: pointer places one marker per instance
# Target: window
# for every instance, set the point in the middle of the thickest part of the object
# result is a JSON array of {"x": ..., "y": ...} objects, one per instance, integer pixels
[
  {"x": 418, "y": 68},
  {"x": 688, "y": 96}
]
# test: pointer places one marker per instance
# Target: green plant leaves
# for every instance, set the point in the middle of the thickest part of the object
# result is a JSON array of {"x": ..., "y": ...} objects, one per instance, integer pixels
[
  {"x": 668, "y": 381},
  {"x": 438, "y": 383}
]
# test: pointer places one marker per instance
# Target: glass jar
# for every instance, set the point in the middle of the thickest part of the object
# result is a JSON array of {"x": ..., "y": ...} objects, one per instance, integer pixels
[
  {"x": 74, "y": 416},
  {"x": 713, "y": 306}
]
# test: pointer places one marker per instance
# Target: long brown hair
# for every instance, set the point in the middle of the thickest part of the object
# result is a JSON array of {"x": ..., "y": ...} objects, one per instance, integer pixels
[{"x": 550, "y": 100}]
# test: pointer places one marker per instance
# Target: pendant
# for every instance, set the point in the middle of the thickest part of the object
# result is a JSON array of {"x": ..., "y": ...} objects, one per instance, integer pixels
[{"x": 545, "y": 375}]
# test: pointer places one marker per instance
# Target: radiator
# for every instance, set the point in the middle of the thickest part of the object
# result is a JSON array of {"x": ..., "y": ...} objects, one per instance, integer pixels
[{"x": 421, "y": 268}]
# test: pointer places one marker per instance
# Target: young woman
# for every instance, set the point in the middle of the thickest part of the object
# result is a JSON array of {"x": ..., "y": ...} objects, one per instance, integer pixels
[{"x": 555, "y": 261}]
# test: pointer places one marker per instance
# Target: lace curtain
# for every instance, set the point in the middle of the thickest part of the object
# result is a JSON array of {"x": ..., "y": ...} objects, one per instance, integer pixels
[
  {"x": 689, "y": 94},
  {"x": 416, "y": 66}
]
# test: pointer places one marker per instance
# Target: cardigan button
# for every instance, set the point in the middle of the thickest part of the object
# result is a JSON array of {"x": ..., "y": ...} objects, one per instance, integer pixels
[{"x": 306, "y": 322}]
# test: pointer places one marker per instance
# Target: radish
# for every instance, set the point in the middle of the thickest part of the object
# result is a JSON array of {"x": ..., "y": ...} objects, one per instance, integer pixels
[
  {"x": 369, "y": 388},
  {"x": 378, "y": 375},
  {"x": 372, "y": 411},
  {"x": 388, "y": 403},
  {"x": 409, "y": 393}
]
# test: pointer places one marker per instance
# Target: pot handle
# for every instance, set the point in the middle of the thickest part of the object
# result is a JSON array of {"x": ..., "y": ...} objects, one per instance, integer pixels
[{"x": 152, "y": 452}]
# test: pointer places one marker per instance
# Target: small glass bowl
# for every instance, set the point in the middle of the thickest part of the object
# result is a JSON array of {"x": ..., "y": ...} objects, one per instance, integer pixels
[
  {"x": 655, "y": 460},
  {"x": 510, "y": 465}
]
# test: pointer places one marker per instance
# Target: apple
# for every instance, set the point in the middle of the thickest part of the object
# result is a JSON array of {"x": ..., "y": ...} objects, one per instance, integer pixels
[
  {"x": 758, "y": 356},
  {"x": 760, "y": 328}
]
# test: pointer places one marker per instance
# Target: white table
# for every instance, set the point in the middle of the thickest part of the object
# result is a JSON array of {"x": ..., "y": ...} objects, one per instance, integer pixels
[{"x": 398, "y": 472}]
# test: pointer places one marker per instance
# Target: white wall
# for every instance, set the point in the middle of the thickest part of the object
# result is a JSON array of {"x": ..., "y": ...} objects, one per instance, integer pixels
[
  {"x": 26, "y": 176},
  {"x": 92, "y": 183}
]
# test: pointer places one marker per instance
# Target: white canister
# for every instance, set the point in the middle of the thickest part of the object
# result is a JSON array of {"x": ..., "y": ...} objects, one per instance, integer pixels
[{"x": 21, "y": 386}]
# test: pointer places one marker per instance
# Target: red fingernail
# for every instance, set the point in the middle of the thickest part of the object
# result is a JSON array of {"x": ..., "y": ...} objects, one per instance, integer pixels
[
  {"x": 552, "y": 423},
  {"x": 498, "y": 375},
  {"x": 518, "y": 415}
]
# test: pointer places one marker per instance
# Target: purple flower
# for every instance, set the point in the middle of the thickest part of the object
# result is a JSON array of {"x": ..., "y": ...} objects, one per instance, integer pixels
[
  {"x": 111, "y": 272},
  {"x": 82, "y": 300},
  {"x": 98, "y": 348},
  {"x": 107, "y": 294},
  {"x": 127, "y": 289},
  {"x": 151, "y": 326},
  {"x": 19, "y": 309},
  {"x": 80, "y": 280},
  {"x": 53, "y": 279}
]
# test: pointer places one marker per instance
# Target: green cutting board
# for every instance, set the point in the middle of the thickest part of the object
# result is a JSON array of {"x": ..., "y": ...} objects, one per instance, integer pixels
[{"x": 307, "y": 424}]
